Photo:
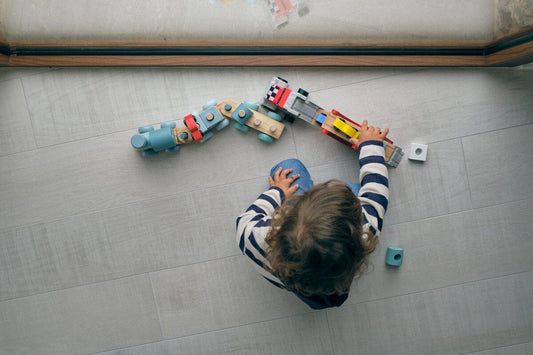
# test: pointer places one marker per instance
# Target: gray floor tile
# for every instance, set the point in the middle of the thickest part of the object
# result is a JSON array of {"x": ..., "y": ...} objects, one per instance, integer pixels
[
  {"x": 81, "y": 320},
  {"x": 82, "y": 213},
  {"x": 452, "y": 249},
  {"x": 216, "y": 295},
  {"x": 458, "y": 319},
  {"x": 77, "y": 103},
  {"x": 105, "y": 172},
  {"x": 8, "y": 73},
  {"x": 518, "y": 349},
  {"x": 450, "y": 103},
  {"x": 187, "y": 227},
  {"x": 305, "y": 334},
  {"x": 16, "y": 134},
  {"x": 510, "y": 151},
  {"x": 54, "y": 255},
  {"x": 425, "y": 189}
]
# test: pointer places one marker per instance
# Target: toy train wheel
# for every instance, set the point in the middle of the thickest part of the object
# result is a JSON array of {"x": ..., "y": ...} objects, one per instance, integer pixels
[
  {"x": 207, "y": 136},
  {"x": 168, "y": 124},
  {"x": 145, "y": 129},
  {"x": 241, "y": 127},
  {"x": 265, "y": 137},
  {"x": 149, "y": 152},
  {"x": 209, "y": 104},
  {"x": 173, "y": 149},
  {"x": 222, "y": 125},
  {"x": 275, "y": 116},
  {"x": 251, "y": 105}
]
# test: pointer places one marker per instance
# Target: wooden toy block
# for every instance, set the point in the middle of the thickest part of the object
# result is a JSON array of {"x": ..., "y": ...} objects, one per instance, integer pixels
[
  {"x": 258, "y": 121},
  {"x": 345, "y": 128},
  {"x": 183, "y": 135},
  {"x": 418, "y": 152},
  {"x": 394, "y": 256}
]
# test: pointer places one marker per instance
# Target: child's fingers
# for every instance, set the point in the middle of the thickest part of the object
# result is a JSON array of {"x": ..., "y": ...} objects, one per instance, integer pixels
[
  {"x": 384, "y": 133},
  {"x": 294, "y": 177},
  {"x": 293, "y": 189},
  {"x": 271, "y": 181},
  {"x": 286, "y": 172}
]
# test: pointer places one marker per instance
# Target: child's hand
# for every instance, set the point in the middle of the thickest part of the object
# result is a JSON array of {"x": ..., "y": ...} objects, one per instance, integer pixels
[
  {"x": 283, "y": 182},
  {"x": 369, "y": 133}
]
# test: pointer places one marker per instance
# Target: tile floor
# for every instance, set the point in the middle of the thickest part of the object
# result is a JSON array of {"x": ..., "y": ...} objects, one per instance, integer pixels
[{"x": 105, "y": 251}]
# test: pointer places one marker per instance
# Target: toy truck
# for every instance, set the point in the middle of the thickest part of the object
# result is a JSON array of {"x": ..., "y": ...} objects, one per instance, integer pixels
[
  {"x": 281, "y": 9},
  {"x": 199, "y": 126},
  {"x": 291, "y": 104}
]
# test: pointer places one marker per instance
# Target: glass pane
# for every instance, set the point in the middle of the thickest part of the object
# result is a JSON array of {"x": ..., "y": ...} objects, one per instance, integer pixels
[{"x": 261, "y": 22}]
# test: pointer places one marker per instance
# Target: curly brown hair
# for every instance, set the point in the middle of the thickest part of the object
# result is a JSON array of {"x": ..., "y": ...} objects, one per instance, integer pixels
[{"x": 316, "y": 242}]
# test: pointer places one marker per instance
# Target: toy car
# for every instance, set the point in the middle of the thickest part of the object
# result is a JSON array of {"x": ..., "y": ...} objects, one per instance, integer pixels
[
  {"x": 281, "y": 9},
  {"x": 295, "y": 104}
]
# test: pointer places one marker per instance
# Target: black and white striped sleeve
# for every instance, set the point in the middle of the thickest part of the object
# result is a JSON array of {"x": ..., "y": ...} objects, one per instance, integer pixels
[
  {"x": 374, "y": 193},
  {"x": 253, "y": 227}
]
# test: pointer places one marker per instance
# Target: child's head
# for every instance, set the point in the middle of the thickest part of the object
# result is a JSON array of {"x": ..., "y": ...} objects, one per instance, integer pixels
[{"x": 316, "y": 241}]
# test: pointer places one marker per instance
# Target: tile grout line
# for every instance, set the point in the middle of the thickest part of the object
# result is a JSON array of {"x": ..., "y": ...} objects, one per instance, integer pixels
[
  {"x": 472, "y": 209},
  {"x": 212, "y": 331},
  {"x": 442, "y": 287},
  {"x": 498, "y": 347},
  {"x": 34, "y": 136},
  {"x": 123, "y": 277},
  {"x": 157, "y": 308},
  {"x": 467, "y": 174},
  {"x": 327, "y": 313}
]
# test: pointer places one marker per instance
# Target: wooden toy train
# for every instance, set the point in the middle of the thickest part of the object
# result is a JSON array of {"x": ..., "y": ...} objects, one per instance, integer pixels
[{"x": 279, "y": 101}]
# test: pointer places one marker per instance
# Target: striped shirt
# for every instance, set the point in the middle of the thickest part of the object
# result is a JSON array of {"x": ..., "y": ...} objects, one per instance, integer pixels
[{"x": 254, "y": 224}]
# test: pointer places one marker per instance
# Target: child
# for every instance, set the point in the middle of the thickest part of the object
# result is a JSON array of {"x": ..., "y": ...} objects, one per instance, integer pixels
[{"x": 313, "y": 240}]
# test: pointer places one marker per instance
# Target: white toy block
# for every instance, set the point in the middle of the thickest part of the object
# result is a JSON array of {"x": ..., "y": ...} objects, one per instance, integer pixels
[{"x": 418, "y": 152}]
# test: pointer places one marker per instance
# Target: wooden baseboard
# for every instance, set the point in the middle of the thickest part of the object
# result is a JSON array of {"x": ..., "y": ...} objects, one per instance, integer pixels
[
  {"x": 498, "y": 55},
  {"x": 517, "y": 55},
  {"x": 4, "y": 60},
  {"x": 249, "y": 60}
]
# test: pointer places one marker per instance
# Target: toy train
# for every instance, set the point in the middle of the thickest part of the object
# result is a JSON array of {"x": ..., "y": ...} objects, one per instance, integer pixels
[
  {"x": 199, "y": 126},
  {"x": 280, "y": 103},
  {"x": 281, "y": 9},
  {"x": 291, "y": 104}
]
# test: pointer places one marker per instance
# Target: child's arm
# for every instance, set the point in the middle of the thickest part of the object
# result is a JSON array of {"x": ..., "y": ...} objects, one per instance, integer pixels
[
  {"x": 256, "y": 219},
  {"x": 374, "y": 193},
  {"x": 253, "y": 225}
]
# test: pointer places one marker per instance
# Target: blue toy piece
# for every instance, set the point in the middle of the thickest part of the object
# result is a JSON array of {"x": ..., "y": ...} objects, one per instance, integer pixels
[
  {"x": 242, "y": 114},
  {"x": 152, "y": 141},
  {"x": 241, "y": 127},
  {"x": 209, "y": 118},
  {"x": 251, "y": 105},
  {"x": 394, "y": 256},
  {"x": 320, "y": 118},
  {"x": 265, "y": 137},
  {"x": 145, "y": 129},
  {"x": 275, "y": 116}
]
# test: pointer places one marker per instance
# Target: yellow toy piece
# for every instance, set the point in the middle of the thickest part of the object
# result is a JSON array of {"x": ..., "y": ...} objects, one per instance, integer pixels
[{"x": 345, "y": 128}]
